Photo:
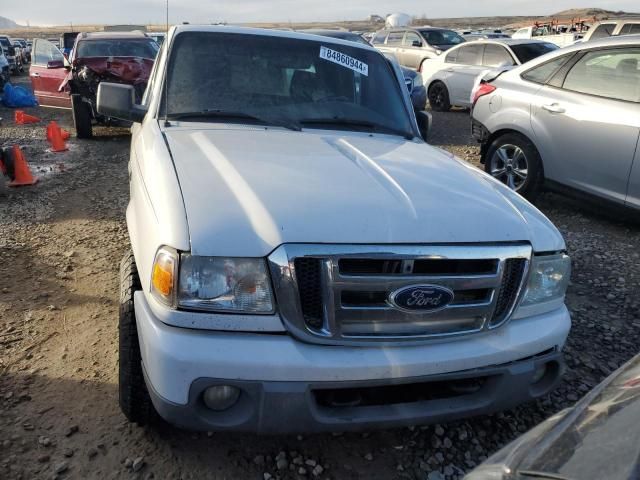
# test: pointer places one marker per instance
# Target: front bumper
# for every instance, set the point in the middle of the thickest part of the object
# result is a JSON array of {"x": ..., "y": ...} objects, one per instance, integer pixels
[{"x": 289, "y": 386}]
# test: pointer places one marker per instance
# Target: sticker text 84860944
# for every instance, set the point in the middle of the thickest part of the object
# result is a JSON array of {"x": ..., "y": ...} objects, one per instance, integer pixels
[{"x": 344, "y": 60}]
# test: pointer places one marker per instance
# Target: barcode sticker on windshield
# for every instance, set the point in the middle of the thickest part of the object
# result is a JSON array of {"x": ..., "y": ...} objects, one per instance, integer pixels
[{"x": 344, "y": 60}]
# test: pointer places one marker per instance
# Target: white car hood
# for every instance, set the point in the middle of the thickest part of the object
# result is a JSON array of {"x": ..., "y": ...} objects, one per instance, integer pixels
[{"x": 248, "y": 190}]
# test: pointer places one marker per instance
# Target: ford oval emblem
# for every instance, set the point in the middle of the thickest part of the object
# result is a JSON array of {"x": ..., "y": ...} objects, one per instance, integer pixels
[{"x": 421, "y": 298}]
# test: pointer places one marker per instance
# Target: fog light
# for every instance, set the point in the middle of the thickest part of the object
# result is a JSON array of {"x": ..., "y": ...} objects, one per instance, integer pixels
[
  {"x": 221, "y": 397},
  {"x": 539, "y": 373}
]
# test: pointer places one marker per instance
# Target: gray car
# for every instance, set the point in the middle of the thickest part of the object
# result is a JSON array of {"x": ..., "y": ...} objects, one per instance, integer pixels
[
  {"x": 412, "y": 46},
  {"x": 570, "y": 118}
]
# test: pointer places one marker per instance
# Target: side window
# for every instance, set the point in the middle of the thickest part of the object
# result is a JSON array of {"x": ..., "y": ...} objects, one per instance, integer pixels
[
  {"x": 411, "y": 37},
  {"x": 522, "y": 31},
  {"x": 470, "y": 55},
  {"x": 452, "y": 57},
  {"x": 395, "y": 38},
  {"x": 603, "y": 30},
  {"x": 379, "y": 38},
  {"x": 542, "y": 73},
  {"x": 495, "y": 55},
  {"x": 630, "y": 29},
  {"x": 45, "y": 52},
  {"x": 612, "y": 74}
]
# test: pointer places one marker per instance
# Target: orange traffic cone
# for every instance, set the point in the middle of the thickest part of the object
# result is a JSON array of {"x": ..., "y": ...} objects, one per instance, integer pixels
[
  {"x": 24, "y": 118},
  {"x": 21, "y": 170},
  {"x": 54, "y": 135},
  {"x": 65, "y": 135}
]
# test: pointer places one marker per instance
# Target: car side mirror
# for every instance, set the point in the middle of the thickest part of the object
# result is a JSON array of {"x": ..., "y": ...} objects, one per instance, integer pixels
[
  {"x": 118, "y": 101},
  {"x": 416, "y": 43},
  {"x": 55, "y": 64},
  {"x": 424, "y": 124}
]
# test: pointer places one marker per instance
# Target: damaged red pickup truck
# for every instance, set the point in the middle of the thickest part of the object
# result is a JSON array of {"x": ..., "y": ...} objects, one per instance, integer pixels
[{"x": 102, "y": 56}]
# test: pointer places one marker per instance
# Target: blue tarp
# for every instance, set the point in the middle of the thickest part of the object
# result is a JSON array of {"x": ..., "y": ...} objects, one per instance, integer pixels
[{"x": 16, "y": 97}]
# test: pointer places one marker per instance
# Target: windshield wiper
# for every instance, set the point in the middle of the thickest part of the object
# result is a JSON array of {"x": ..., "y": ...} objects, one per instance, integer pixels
[
  {"x": 544, "y": 475},
  {"x": 225, "y": 114},
  {"x": 346, "y": 122}
]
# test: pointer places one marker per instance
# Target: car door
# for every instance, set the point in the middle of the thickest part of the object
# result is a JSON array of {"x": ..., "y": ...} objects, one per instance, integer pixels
[
  {"x": 461, "y": 76},
  {"x": 47, "y": 72},
  {"x": 412, "y": 50},
  {"x": 587, "y": 122},
  {"x": 394, "y": 44}
]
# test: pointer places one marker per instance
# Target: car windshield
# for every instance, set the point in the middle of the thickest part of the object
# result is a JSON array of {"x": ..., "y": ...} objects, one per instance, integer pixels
[
  {"x": 529, "y": 51},
  {"x": 144, "y": 48},
  {"x": 441, "y": 37},
  {"x": 284, "y": 81},
  {"x": 4, "y": 41}
]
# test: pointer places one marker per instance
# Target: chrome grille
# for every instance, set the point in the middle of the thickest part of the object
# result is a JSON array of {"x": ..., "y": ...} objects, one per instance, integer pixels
[{"x": 338, "y": 294}]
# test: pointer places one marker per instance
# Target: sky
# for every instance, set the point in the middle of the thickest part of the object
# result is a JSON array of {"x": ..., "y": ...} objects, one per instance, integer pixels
[{"x": 57, "y": 12}]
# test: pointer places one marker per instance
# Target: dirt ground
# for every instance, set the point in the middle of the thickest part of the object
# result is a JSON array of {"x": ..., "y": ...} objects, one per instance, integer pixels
[{"x": 61, "y": 242}]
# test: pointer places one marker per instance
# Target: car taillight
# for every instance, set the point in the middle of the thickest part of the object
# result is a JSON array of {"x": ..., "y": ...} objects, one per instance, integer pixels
[{"x": 482, "y": 90}]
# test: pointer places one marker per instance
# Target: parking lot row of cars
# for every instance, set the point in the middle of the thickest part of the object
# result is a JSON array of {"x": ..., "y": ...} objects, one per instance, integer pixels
[{"x": 15, "y": 53}]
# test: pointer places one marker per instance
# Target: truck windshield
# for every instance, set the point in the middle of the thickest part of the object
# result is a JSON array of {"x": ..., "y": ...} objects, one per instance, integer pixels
[
  {"x": 145, "y": 48},
  {"x": 300, "y": 82}
]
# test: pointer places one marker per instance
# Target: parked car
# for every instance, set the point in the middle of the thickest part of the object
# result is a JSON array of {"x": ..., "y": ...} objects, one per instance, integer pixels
[
  {"x": 96, "y": 57},
  {"x": 4, "y": 69},
  {"x": 20, "y": 55},
  {"x": 412, "y": 79},
  {"x": 9, "y": 53},
  {"x": 25, "y": 49},
  {"x": 561, "y": 36},
  {"x": 412, "y": 46},
  {"x": 450, "y": 77},
  {"x": 484, "y": 36},
  {"x": 302, "y": 260},
  {"x": 570, "y": 117},
  {"x": 614, "y": 26},
  {"x": 598, "y": 438}
]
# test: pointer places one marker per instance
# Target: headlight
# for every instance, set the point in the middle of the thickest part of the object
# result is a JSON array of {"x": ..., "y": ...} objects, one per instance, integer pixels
[
  {"x": 417, "y": 81},
  {"x": 218, "y": 284},
  {"x": 548, "y": 279}
]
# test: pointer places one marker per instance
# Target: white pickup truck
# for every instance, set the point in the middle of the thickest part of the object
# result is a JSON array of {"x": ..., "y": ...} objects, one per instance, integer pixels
[
  {"x": 302, "y": 260},
  {"x": 546, "y": 35}
]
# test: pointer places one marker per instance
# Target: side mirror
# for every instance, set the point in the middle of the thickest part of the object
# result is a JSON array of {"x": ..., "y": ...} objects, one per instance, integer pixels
[
  {"x": 416, "y": 43},
  {"x": 118, "y": 101},
  {"x": 55, "y": 64},
  {"x": 424, "y": 124}
]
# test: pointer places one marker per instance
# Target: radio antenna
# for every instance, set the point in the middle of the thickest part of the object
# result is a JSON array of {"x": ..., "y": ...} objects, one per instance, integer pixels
[{"x": 166, "y": 66}]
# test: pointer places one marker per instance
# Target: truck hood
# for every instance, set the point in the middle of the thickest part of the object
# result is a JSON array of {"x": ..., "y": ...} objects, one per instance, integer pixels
[{"x": 247, "y": 190}]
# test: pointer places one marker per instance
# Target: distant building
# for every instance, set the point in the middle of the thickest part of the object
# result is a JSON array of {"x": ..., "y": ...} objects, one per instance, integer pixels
[{"x": 375, "y": 19}]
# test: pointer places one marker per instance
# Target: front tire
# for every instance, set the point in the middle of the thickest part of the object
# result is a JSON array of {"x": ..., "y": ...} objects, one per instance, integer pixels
[
  {"x": 135, "y": 401},
  {"x": 81, "y": 117},
  {"x": 514, "y": 160},
  {"x": 439, "y": 97}
]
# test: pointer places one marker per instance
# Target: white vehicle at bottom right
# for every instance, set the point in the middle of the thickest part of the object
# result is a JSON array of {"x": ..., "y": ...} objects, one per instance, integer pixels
[{"x": 570, "y": 118}]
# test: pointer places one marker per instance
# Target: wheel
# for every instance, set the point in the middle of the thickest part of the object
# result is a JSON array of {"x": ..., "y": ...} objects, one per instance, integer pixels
[
  {"x": 515, "y": 161},
  {"x": 439, "y": 97},
  {"x": 135, "y": 401},
  {"x": 81, "y": 117}
]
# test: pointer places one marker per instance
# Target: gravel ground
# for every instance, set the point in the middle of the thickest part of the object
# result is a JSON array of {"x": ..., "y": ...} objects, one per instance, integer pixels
[{"x": 60, "y": 245}]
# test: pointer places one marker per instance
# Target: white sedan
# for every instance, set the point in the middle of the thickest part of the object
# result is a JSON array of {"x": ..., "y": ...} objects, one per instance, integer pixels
[{"x": 449, "y": 78}]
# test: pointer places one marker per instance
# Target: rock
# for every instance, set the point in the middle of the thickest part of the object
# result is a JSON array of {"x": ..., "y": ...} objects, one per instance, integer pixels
[
  {"x": 302, "y": 471},
  {"x": 439, "y": 430},
  {"x": 267, "y": 476},
  {"x": 68, "y": 452},
  {"x": 43, "y": 458},
  {"x": 282, "y": 464},
  {"x": 44, "y": 441},
  {"x": 259, "y": 460},
  {"x": 92, "y": 452},
  {"x": 317, "y": 470},
  {"x": 128, "y": 463},
  {"x": 435, "y": 475},
  {"x": 368, "y": 456},
  {"x": 310, "y": 463},
  {"x": 61, "y": 467},
  {"x": 138, "y": 463},
  {"x": 71, "y": 430}
]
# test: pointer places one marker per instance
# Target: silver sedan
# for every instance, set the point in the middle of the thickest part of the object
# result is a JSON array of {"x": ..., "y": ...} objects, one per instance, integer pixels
[{"x": 570, "y": 118}]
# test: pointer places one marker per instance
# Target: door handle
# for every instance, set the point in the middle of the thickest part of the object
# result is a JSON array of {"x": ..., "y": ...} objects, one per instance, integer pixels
[
  {"x": 553, "y": 108},
  {"x": 35, "y": 74}
]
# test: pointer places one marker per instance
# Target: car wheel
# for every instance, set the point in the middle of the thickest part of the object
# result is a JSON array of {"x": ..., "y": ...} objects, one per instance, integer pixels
[
  {"x": 439, "y": 97},
  {"x": 135, "y": 401},
  {"x": 81, "y": 117},
  {"x": 514, "y": 160}
]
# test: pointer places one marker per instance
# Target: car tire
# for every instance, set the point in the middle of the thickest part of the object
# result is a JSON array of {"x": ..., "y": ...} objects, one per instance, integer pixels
[
  {"x": 439, "y": 97},
  {"x": 135, "y": 401},
  {"x": 508, "y": 157},
  {"x": 81, "y": 117}
]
